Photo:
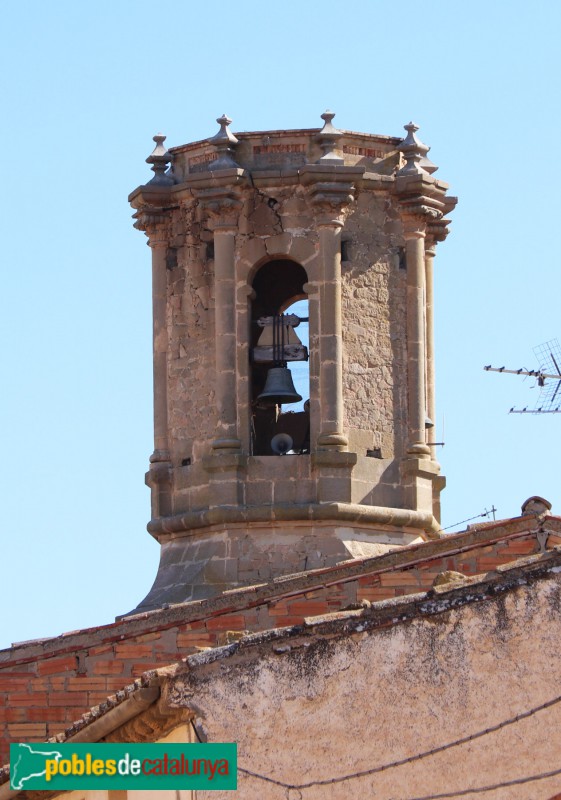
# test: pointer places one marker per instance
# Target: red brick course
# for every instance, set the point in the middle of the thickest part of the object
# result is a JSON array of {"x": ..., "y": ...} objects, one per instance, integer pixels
[{"x": 54, "y": 666}]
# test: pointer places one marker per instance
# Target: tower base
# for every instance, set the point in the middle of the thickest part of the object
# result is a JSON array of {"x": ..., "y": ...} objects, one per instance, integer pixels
[{"x": 229, "y": 553}]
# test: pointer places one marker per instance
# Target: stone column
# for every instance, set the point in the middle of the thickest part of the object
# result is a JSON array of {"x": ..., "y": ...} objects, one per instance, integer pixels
[
  {"x": 331, "y": 193},
  {"x": 430, "y": 251},
  {"x": 331, "y": 434},
  {"x": 223, "y": 211},
  {"x": 158, "y": 244},
  {"x": 159, "y": 476},
  {"x": 332, "y": 187},
  {"x": 414, "y": 231},
  {"x": 225, "y": 464}
]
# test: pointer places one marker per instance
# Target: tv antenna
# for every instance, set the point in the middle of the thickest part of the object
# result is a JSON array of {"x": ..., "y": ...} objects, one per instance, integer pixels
[{"x": 548, "y": 377}]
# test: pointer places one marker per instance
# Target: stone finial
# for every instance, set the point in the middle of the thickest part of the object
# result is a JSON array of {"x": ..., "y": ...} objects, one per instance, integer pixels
[
  {"x": 225, "y": 142},
  {"x": 328, "y": 138},
  {"x": 536, "y": 505},
  {"x": 224, "y": 134},
  {"x": 415, "y": 152},
  {"x": 160, "y": 158}
]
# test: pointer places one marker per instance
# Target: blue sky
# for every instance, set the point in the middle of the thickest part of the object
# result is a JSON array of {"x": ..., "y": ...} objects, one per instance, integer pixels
[{"x": 84, "y": 88}]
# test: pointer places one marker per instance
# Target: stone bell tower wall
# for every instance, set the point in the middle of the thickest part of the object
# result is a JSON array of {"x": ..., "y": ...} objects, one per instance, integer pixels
[
  {"x": 374, "y": 324},
  {"x": 241, "y": 227},
  {"x": 375, "y": 348},
  {"x": 191, "y": 366}
]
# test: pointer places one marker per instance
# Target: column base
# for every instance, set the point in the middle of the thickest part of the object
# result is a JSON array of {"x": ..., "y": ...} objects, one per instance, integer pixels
[
  {"x": 332, "y": 441},
  {"x": 158, "y": 479},
  {"x": 227, "y": 478},
  {"x": 420, "y": 476},
  {"x": 227, "y": 445},
  {"x": 419, "y": 449},
  {"x": 334, "y": 475}
]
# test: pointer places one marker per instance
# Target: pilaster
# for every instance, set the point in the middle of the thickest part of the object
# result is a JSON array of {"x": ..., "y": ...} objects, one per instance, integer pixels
[
  {"x": 222, "y": 207},
  {"x": 430, "y": 251},
  {"x": 414, "y": 228},
  {"x": 421, "y": 198},
  {"x": 155, "y": 224},
  {"x": 331, "y": 195}
]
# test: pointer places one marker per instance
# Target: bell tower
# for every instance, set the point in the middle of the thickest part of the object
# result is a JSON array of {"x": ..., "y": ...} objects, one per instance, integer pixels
[{"x": 247, "y": 482}]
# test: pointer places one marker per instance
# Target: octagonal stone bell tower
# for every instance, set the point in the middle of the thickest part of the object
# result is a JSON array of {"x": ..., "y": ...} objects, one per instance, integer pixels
[{"x": 241, "y": 227}]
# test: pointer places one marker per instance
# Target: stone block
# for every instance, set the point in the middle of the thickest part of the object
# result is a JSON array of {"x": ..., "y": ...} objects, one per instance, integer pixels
[{"x": 260, "y": 492}]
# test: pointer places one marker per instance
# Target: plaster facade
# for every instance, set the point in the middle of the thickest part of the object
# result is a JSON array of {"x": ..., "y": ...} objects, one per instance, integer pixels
[{"x": 347, "y": 221}]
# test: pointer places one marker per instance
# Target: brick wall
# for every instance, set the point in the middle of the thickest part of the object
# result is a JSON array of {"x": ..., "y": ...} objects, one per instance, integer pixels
[{"x": 48, "y": 684}]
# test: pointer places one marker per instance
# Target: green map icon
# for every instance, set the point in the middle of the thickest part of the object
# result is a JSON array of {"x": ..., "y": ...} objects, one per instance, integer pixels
[{"x": 28, "y": 762}]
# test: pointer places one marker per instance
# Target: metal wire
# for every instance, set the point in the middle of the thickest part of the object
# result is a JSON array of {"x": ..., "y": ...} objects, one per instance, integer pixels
[{"x": 425, "y": 754}]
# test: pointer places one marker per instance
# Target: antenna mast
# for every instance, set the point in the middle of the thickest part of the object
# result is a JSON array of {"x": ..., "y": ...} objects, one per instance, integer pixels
[{"x": 548, "y": 355}]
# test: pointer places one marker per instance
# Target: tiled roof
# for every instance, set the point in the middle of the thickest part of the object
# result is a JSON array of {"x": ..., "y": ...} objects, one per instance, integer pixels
[
  {"x": 248, "y": 596},
  {"x": 397, "y": 611}
]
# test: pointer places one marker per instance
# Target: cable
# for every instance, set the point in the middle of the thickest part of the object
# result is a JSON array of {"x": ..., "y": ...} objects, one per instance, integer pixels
[
  {"x": 461, "y": 522},
  {"x": 516, "y": 782},
  {"x": 417, "y": 757}
]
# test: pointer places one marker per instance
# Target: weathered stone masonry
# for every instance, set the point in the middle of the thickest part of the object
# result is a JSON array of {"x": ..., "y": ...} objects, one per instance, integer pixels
[{"x": 358, "y": 216}]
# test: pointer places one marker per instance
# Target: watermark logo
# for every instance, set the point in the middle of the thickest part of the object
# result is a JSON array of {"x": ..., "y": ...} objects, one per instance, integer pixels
[{"x": 123, "y": 766}]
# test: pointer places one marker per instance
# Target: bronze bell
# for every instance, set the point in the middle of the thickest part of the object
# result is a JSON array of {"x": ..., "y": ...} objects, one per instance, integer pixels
[{"x": 279, "y": 388}]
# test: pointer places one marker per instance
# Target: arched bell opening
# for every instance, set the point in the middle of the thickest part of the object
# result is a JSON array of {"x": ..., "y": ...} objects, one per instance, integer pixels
[{"x": 280, "y": 417}]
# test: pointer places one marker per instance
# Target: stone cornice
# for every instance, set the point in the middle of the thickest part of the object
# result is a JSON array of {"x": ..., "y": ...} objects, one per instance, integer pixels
[
  {"x": 233, "y": 176},
  {"x": 349, "y": 512},
  {"x": 332, "y": 190},
  {"x": 166, "y": 197},
  {"x": 153, "y": 204},
  {"x": 318, "y": 173},
  {"x": 422, "y": 199},
  {"x": 150, "y": 195},
  {"x": 437, "y": 231}
]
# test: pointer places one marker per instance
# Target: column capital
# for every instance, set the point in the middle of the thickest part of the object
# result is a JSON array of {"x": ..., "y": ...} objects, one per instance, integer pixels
[
  {"x": 331, "y": 189},
  {"x": 331, "y": 202},
  {"x": 422, "y": 199},
  {"x": 414, "y": 226},
  {"x": 154, "y": 222},
  {"x": 430, "y": 245},
  {"x": 222, "y": 208},
  {"x": 438, "y": 228}
]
